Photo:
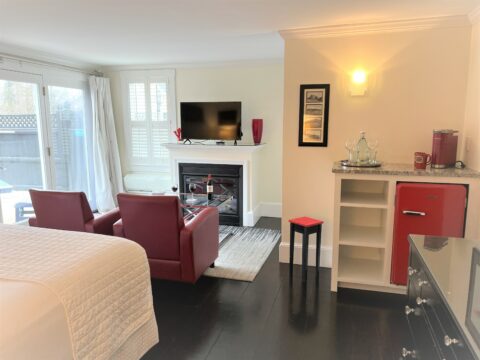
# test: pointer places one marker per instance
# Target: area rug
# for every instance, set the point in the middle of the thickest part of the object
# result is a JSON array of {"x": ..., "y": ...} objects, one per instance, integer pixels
[{"x": 243, "y": 251}]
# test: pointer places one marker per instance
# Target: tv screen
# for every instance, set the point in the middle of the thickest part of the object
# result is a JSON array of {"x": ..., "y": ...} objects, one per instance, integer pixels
[{"x": 211, "y": 120}]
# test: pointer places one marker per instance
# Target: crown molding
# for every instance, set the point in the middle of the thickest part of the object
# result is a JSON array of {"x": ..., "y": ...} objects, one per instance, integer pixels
[
  {"x": 474, "y": 15},
  {"x": 39, "y": 57},
  {"x": 211, "y": 64},
  {"x": 376, "y": 27}
]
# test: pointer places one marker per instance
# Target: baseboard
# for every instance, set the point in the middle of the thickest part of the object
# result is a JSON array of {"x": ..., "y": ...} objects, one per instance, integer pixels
[
  {"x": 325, "y": 254},
  {"x": 270, "y": 209}
]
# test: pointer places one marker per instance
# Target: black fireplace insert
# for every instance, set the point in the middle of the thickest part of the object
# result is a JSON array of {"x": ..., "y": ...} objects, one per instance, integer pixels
[{"x": 227, "y": 180}]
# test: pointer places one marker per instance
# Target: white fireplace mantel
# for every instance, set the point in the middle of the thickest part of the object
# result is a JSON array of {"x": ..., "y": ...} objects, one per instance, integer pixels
[{"x": 245, "y": 155}]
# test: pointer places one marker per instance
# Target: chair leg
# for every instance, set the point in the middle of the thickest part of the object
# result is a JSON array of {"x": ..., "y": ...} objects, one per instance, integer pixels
[
  {"x": 292, "y": 244},
  {"x": 304, "y": 254},
  {"x": 212, "y": 265}
]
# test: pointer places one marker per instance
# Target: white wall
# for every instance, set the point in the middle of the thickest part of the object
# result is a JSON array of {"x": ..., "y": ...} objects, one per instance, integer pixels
[
  {"x": 471, "y": 131},
  {"x": 259, "y": 86},
  {"x": 417, "y": 82}
]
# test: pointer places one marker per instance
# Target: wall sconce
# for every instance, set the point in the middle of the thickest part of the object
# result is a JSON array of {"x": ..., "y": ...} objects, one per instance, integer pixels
[{"x": 358, "y": 83}]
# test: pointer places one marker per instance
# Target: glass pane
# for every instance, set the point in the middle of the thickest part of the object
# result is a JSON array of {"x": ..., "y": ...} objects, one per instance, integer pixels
[
  {"x": 137, "y": 101},
  {"x": 69, "y": 144},
  {"x": 158, "y": 96},
  {"x": 20, "y": 161}
]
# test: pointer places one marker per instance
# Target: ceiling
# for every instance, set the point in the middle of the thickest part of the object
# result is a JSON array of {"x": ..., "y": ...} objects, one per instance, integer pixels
[{"x": 123, "y": 32}]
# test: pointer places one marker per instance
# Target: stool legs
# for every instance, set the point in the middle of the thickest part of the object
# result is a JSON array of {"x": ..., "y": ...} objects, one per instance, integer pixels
[
  {"x": 292, "y": 244},
  {"x": 319, "y": 244},
  {"x": 304, "y": 254}
]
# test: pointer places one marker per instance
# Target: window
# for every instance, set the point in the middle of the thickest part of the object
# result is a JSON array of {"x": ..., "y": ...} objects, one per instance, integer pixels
[
  {"x": 45, "y": 138},
  {"x": 149, "y": 118}
]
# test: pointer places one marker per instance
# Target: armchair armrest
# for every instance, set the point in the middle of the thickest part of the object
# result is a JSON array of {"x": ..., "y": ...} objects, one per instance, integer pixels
[
  {"x": 118, "y": 229},
  {"x": 103, "y": 224},
  {"x": 199, "y": 243},
  {"x": 32, "y": 221}
]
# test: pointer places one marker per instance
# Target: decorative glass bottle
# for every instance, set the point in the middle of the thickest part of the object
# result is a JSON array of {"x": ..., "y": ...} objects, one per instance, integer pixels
[{"x": 363, "y": 152}]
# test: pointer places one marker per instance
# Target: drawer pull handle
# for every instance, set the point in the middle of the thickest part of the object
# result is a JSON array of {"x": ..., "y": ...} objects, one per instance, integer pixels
[
  {"x": 411, "y": 271},
  {"x": 414, "y": 213},
  {"x": 421, "y": 282},
  {"x": 408, "y": 310},
  {"x": 421, "y": 301},
  {"x": 406, "y": 353},
  {"x": 450, "y": 341}
]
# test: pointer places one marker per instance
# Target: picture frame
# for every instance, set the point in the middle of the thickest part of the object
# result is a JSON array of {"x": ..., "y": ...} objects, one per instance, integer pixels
[
  {"x": 313, "y": 115},
  {"x": 472, "y": 320}
]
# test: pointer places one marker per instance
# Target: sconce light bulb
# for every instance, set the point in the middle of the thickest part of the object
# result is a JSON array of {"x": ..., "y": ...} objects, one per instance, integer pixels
[{"x": 359, "y": 76}]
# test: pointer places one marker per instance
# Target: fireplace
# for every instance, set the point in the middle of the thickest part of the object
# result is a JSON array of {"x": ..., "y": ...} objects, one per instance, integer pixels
[{"x": 227, "y": 180}]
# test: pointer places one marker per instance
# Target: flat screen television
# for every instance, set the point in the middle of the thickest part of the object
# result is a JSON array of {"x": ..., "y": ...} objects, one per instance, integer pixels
[{"x": 211, "y": 120}]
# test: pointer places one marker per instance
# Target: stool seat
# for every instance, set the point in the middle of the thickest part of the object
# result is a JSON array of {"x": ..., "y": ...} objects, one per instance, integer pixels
[{"x": 305, "y": 221}]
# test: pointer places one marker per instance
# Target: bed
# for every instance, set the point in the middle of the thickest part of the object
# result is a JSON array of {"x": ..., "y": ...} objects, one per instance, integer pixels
[{"x": 71, "y": 295}]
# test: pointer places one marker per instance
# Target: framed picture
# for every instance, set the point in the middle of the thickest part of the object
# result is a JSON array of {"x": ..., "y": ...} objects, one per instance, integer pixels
[
  {"x": 314, "y": 103},
  {"x": 473, "y": 307}
]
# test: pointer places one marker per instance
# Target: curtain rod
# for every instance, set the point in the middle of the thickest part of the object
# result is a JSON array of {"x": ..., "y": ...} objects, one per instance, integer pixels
[{"x": 48, "y": 64}]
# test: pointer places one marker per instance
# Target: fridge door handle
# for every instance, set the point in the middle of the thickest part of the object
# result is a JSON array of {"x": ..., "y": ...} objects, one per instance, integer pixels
[{"x": 413, "y": 213}]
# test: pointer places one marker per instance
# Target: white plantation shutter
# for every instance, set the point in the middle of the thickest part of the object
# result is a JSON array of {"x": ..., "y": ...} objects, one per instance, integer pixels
[{"x": 150, "y": 119}]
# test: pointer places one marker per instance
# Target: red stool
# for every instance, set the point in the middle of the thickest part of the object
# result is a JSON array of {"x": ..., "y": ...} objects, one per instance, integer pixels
[{"x": 306, "y": 226}]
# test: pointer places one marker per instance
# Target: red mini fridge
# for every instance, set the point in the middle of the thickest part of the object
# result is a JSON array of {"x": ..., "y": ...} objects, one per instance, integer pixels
[{"x": 425, "y": 209}]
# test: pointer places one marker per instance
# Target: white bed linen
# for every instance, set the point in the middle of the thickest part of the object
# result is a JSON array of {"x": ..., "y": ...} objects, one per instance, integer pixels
[
  {"x": 32, "y": 323},
  {"x": 102, "y": 284}
]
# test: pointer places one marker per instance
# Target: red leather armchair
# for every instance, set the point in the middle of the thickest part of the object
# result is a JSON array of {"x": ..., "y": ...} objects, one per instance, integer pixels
[
  {"x": 69, "y": 211},
  {"x": 176, "y": 250}
]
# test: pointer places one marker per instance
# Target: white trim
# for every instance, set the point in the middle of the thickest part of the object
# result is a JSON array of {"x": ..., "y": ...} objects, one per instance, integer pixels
[
  {"x": 270, "y": 209},
  {"x": 376, "y": 27},
  {"x": 325, "y": 254},
  {"x": 43, "y": 58},
  {"x": 214, "y": 147},
  {"x": 210, "y": 64},
  {"x": 474, "y": 15}
]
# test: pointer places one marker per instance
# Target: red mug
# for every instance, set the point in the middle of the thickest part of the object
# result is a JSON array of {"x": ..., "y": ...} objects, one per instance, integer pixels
[{"x": 422, "y": 160}]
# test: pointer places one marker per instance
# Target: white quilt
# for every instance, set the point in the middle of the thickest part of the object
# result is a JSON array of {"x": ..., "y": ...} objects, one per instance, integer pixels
[{"x": 102, "y": 282}]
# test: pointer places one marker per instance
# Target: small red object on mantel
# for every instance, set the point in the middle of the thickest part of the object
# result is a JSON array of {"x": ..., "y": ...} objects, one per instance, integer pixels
[
  {"x": 178, "y": 134},
  {"x": 257, "y": 130},
  {"x": 305, "y": 221}
]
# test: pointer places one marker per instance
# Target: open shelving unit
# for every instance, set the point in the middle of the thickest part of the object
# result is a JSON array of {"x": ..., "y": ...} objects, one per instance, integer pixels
[{"x": 363, "y": 213}]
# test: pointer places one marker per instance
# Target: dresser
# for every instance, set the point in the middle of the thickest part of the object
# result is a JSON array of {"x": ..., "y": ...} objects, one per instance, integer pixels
[{"x": 438, "y": 289}]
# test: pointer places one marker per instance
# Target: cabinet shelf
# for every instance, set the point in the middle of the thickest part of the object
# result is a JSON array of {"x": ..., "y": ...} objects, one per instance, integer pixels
[
  {"x": 367, "y": 236},
  {"x": 361, "y": 271},
  {"x": 367, "y": 200}
]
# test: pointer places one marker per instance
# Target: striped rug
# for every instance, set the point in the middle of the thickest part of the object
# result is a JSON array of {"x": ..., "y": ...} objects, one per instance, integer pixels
[{"x": 243, "y": 251}]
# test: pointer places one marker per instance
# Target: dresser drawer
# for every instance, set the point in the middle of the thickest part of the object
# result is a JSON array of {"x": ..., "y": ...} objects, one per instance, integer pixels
[
  {"x": 451, "y": 341},
  {"x": 424, "y": 343},
  {"x": 415, "y": 271}
]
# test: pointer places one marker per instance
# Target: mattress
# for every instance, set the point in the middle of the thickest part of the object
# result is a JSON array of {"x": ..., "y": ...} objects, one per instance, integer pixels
[{"x": 69, "y": 295}]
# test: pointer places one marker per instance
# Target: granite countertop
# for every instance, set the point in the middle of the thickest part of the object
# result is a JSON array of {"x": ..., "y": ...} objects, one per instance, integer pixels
[
  {"x": 405, "y": 170},
  {"x": 449, "y": 262}
]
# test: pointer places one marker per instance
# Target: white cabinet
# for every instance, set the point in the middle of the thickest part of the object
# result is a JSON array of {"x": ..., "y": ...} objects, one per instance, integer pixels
[{"x": 363, "y": 227}]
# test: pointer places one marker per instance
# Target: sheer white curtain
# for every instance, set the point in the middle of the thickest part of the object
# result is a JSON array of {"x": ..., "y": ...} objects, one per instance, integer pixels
[{"x": 106, "y": 158}]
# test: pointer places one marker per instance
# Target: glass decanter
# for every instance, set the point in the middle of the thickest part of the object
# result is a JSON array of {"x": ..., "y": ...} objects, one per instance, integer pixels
[{"x": 362, "y": 149}]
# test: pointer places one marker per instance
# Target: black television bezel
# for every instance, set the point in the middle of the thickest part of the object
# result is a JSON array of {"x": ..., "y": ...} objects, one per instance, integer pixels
[{"x": 239, "y": 129}]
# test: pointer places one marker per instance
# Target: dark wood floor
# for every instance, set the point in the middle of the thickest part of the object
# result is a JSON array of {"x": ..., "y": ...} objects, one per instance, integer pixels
[{"x": 275, "y": 317}]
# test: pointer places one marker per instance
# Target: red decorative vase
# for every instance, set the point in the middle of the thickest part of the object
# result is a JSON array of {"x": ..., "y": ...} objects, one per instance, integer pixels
[{"x": 257, "y": 130}]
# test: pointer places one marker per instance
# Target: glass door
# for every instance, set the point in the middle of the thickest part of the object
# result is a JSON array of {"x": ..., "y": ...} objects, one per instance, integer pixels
[
  {"x": 22, "y": 162},
  {"x": 70, "y": 139}
]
